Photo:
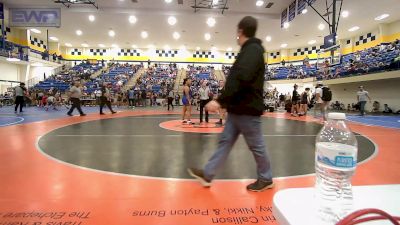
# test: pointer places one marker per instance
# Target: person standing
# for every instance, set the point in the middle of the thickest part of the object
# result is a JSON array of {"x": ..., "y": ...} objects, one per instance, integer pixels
[
  {"x": 105, "y": 99},
  {"x": 295, "y": 102},
  {"x": 187, "y": 101},
  {"x": 170, "y": 99},
  {"x": 323, "y": 96},
  {"x": 221, "y": 111},
  {"x": 131, "y": 98},
  {"x": 75, "y": 93},
  {"x": 243, "y": 98},
  {"x": 304, "y": 102},
  {"x": 204, "y": 93},
  {"x": 19, "y": 93},
  {"x": 362, "y": 96}
]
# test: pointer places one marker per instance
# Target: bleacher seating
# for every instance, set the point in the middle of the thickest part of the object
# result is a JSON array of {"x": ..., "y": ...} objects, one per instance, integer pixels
[{"x": 376, "y": 59}]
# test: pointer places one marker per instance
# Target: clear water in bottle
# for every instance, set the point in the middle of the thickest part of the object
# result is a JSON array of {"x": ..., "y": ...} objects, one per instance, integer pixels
[{"x": 335, "y": 164}]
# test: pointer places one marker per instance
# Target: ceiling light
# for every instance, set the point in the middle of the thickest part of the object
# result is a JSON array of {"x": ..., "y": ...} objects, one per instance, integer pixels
[
  {"x": 259, "y": 3},
  {"x": 321, "y": 26},
  {"x": 171, "y": 20},
  {"x": 312, "y": 42},
  {"x": 144, "y": 34},
  {"x": 102, "y": 46},
  {"x": 68, "y": 45},
  {"x": 91, "y": 18},
  {"x": 53, "y": 38},
  {"x": 229, "y": 49},
  {"x": 176, "y": 35},
  {"x": 381, "y": 17},
  {"x": 79, "y": 32},
  {"x": 207, "y": 36},
  {"x": 197, "y": 48},
  {"x": 283, "y": 45},
  {"x": 13, "y": 60},
  {"x": 168, "y": 1},
  {"x": 111, "y": 33},
  {"x": 85, "y": 45},
  {"x": 134, "y": 46},
  {"x": 114, "y": 45},
  {"x": 268, "y": 38},
  {"x": 35, "y": 31},
  {"x": 211, "y": 22},
  {"x": 286, "y": 25},
  {"x": 354, "y": 28},
  {"x": 166, "y": 47},
  {"x": 132, "y": 19},
  {"x": 214, "y": 2},
  {"x": 37, "y": 64},
  {"x": 345, "y": 14},
  {"x": 304, "y": 11}
]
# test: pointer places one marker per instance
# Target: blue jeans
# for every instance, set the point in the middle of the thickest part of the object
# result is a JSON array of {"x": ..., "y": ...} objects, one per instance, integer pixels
[
  {"x": 250, "y": 128},
  {"x": 362, "y": 107}
]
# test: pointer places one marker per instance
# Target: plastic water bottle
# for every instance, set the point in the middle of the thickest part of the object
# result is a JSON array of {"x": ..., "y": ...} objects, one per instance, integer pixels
[{"x": 335, "y": 164}]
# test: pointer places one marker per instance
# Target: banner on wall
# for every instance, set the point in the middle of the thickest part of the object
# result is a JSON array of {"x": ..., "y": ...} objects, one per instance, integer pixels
[
  {"x": 292, "y": 10},
  {"x": 301, "y": 5},
  {"x": 284, "y": 17},
  {"x": 32, "y": 17},
  {"x": 1, "y": 11}
]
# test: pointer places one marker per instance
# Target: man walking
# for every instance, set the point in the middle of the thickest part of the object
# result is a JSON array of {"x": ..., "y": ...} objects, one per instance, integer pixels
[
  {"x": 243, "y": 99},
  {"x": 362, "y": 96},
  {"x": 75, "y": 93},
  {"x": 105, "y": 99},
  {"x": 204, "y": 93},
  {"x": 19, "y": 93}
]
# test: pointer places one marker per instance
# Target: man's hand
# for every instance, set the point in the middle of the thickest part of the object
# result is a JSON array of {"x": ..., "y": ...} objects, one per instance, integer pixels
[{"x": 213, "y": 106}]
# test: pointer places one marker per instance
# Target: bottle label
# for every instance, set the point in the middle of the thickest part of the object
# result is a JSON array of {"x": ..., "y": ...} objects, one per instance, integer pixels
[
  {"x": 337, "y": 155},
  {"x": 339, "y": 161}
]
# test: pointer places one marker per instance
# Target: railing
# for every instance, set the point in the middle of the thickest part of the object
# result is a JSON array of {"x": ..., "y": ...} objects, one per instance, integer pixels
[
  {"x": 14, "y": 51},
  {"x": 35, "y": 80}
]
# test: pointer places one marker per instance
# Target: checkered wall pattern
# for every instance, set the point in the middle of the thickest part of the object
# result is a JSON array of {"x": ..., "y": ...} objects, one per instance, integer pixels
[
  {"x": 231, "y": 55},
  {"x": 307, "y": 50},
  {"x": 6, "y": 30},
  {"x": 37, "y": 42},
  {"x": 96, "y": 52},
  {"x": 76, "y": 51},
  {"x": 200, "y": 54},
  {"x": 167, "y": 53},
  {"x": 365, "y": 39},
  {"x": 128, "y": 52},
  {"x": 274, "y": 55}
]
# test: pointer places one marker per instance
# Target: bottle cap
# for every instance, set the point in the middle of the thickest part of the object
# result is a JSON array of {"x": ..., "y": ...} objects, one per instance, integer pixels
[{"x": 337, "y": 116}]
